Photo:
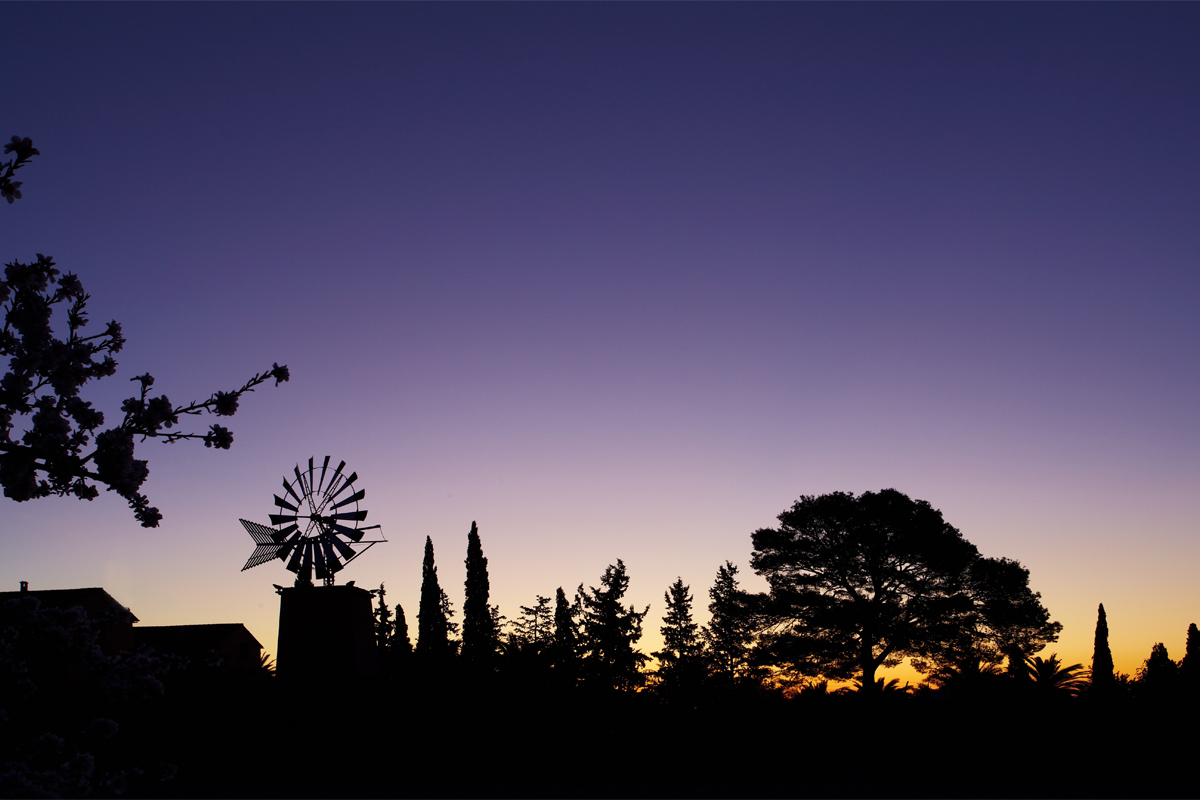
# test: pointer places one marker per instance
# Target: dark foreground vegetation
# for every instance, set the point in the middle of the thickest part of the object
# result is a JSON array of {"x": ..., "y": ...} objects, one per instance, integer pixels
[
  {"x": 428, "y": 740},
  {"x": 532, "y": 719},
  {"x": 494, "y": 740}
]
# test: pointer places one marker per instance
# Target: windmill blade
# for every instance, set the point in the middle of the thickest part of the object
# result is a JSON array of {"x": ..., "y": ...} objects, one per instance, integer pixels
[
  {"x": 297, "y": 558},
  {"x": 287, "y": 487},
  {"x": 307, "y": 549},
  {"x": 286, "y": 547},
  {"x": 346, "y": 551},
  {"x": 349, "y": 482},
  {"x": 319, "y": 558},
  {"x": 300, "y": 479},
  {"x": 356, "y": 516},
  {"x": 279, "y": 519},
  {"x": 333, "y": 481},
  {"x": 324, "y": 467},
  {"x": 331, "y": 560},
  {"x": 351, "y": 533},
  {"x": 310, "y": 475},
  {"x": 354, "y": 498},
  {"x": 281, "y": 503},
  {"x": 279, "y": 536},
  {"x": 261, "y": 555},
  {"x": 261, "y": 534}
]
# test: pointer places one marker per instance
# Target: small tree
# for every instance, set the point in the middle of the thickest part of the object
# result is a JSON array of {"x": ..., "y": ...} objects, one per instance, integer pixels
[
  {"x": 1158, "y": 674},
  {"x": 1189, "y": 667},
  {"x": 479, "y": 635},
  {"x": 384, "y": 628},
  {"x": 565, "y": 646},
  {"x": 44, "y": 379},
  {"x": 610, "y": 632},
  {"x": 680, "y": 666},
  {"x": 433, "y": 641},
  {"x": 534, "y": 628},
  {"x": 729, "y": 633},
  {"x": 1103, "y": 678},
  {"x": 1051, "y": 677},
  {"x": 529, "y": 647},
  {"x": 401, "y": 645},
  {"x": 452, "y": 627}
]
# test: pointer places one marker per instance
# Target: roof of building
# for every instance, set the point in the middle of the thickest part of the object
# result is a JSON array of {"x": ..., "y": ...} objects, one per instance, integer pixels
[
  {"x": 203, "y": 637},
  {"x": 92, "y": 599}
]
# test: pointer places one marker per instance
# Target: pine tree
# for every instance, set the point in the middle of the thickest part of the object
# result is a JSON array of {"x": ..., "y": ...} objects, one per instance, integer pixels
[
  {"x": 1102, "y": 662},
  {"x": 534, "y": 628},
  {"x": 432, "y": 639},
  {"x": 728, "y": 635},
  {"x": 610, "y": 632},
  {"x": 479, "y": 637},
  {"x": 1189, "y": 667},
  {"x": 680, "y": 667}
]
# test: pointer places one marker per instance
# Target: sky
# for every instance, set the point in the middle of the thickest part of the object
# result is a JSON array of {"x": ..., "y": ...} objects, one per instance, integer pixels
[{"x": 624, "y": 281}]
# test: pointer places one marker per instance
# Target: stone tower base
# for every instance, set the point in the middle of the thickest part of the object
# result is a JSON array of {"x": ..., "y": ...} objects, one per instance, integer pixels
[{"x": 326, "y": 631}]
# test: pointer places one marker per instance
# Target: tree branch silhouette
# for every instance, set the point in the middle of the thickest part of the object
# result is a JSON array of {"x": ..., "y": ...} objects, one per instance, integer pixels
[{"x": 49, "y": 457}]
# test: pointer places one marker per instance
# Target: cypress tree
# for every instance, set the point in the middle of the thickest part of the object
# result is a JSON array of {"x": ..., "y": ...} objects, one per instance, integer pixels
[
  {"x": 565, "y": 643},
  {"x": 401, "y": 646},
  {"x": 679, "y": 660},
  {"x": 1189, "y": 667},
  {"x": 478, "y": 632},
  {"x": 432, "y": 639},
  {"x": 1102, "y": 663}
]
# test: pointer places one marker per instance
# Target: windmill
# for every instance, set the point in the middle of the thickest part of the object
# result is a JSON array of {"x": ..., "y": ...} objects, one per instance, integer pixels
[{"x": 318, "y": 527}]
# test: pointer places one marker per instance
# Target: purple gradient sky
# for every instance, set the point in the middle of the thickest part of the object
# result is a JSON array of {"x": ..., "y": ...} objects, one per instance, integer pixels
[{"x": 623, "y": 281}]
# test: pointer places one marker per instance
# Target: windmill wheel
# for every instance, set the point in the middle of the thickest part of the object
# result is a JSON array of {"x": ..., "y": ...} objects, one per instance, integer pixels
[{"x": 319, "y": 517}]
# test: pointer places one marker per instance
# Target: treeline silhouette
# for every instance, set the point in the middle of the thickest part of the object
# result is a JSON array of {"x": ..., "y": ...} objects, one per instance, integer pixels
[{"x": 769, "y": 698}]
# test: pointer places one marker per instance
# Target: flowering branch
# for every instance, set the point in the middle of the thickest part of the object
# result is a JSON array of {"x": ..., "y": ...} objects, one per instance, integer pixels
[{"x": 45, "y": 375}]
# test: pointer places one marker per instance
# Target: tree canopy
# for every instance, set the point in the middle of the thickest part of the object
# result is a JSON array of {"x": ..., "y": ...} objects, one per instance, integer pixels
[{"x": 859, "y": 583}]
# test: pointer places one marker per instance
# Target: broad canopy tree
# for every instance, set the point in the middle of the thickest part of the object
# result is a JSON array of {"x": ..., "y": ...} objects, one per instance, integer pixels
[{"x": 859, "y": 583}]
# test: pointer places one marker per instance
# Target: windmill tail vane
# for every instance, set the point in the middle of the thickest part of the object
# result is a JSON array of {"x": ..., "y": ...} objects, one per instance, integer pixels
[{"x": 320, "y": 531}]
